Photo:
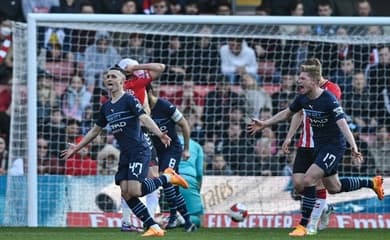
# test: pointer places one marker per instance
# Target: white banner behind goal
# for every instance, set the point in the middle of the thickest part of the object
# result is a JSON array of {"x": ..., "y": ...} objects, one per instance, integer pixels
[{"x": 57, "y": 91}]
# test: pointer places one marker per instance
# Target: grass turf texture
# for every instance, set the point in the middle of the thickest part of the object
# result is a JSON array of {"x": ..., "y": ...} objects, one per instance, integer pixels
[{"x": 11, "y": 233}]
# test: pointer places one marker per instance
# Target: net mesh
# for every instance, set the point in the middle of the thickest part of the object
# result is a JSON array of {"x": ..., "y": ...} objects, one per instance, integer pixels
[{"x": 219, "y": 76}]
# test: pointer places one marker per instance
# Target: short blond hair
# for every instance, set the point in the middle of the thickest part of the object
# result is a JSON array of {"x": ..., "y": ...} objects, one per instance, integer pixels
[{"x": 313, "y": 67}]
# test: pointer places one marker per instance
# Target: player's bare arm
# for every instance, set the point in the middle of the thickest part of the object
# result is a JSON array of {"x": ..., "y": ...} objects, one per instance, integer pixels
[
  {"x": 356, "y": 155},
  {"x": 151, "y": 126},
  {"x": 257, "y": 125},
  {"x": 155, "y": 69},
  {"x": 92, "y": 134},
  {"x": 296, "y": 121},
  {"x": 185, "y": 127}
]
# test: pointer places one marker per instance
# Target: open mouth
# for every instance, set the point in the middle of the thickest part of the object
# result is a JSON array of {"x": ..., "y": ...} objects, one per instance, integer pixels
[{"x": 300, "y": 88}]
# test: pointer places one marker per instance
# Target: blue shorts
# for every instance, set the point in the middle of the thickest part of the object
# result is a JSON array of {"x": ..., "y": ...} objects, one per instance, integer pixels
[
  {"x": 133, "y": 166},
  {"x": 328, "y": 158},
  {"x": 170, "y": 158},
  {"x": 303, "y": 159}
]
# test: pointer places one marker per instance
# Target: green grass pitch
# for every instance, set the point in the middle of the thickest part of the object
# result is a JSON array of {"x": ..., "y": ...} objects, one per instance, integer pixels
[{"x": 12, "y": 233}]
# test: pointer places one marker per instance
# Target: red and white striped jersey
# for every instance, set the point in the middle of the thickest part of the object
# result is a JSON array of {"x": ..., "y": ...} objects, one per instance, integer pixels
[{"x": 306, "y": 138}]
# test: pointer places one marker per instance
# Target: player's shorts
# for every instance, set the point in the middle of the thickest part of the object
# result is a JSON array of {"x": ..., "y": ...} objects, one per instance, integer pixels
[
  {"x": 303, "y": 159},
  {"x": 328, "y": 158},
  {"x": 154, "y": 159},
  {"x": 133, "y": 166},
  {"x": 170, "y": 158}
]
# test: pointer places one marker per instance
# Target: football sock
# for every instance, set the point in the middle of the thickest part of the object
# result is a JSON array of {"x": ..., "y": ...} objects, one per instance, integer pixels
[
  {"x": 354, "y": 183},
  {"x": 308, "y": 201},
  {"x": 320, "y": 204},
  {"x": 170, "y": 196},
  {"x": 125, "y": 211},
  {"x": 152, "y": 202},
  {"x": 151, "y": 184},
  {"x": 182, "y": 208},
  {"x": 140, "y": 210}
]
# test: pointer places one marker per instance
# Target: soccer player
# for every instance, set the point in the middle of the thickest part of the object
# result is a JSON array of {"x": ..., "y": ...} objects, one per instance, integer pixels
[
  {"x": 305, "y": 156},
  {"x": 123, "y": 113},
  {"x": 167, "y": 116},
  {"x": 330, "y": 130},
  {"x": 138, "y": 76}
]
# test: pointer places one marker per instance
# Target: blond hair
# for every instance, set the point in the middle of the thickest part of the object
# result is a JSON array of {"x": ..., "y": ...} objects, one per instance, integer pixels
[{"x": 313, "y": 67}]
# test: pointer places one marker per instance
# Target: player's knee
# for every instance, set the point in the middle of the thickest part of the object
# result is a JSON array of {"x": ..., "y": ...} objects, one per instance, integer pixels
[
  {"x": 336, "y": 188},
  {"x": 308, "y": 181},
  {"x": 299, "y": 186},
  {"x": 133, "y": 190}
]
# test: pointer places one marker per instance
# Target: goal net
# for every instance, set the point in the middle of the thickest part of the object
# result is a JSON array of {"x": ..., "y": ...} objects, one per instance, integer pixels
[{"x": 221, "y": 72}]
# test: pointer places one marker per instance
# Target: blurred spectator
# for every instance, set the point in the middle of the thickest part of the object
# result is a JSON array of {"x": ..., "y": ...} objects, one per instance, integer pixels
[
  {"x": 47, "y": 164},
  {"x": 367, "y": 167},
  {"x": 17, "y": 167},
  {"x": 324, "y": 9},
  {"x": 281, "y": 100},
  {"x": 256, "y": 97},
  {"x": 6, "y": 95},
  {"x": 130, "y": 7},
  {"x": 236, "y": 59},
  {"x": 187, "y": 97},
  {"x": 357, "y": 103},
  {"x": 67, "y": 6},
  {"x": 47, "y": 97},
  {"x": 5, "y": 124},
  {"x": 378, "y": 82},
  {"x": 217, "y": 105},
  {"x": 75, "y": 98},
  {"x": 80, "y": 164},
  {"x": 99, "y": 57},
  {"x": 58, "y": 140},
  {"x": 363, "y": 8},
  {"x": 343, "y": 74},
  {"x": 53, "y": 130},
  {"x": 12, "y": 10},
  {"x": 160, "y": 7},
  {"x": 267, "y": 162},
  {"x": 108, "y": 6},
  {"x": 6, "y": 53},
  {"x": 38, "y": 6},
  {"x": 203, "y": 58},
  {"x": 219, "y": 166},
  {"x": 281, "y": 7},
  {"x": 87, "y": 121},
  {"x": 176, "y": 7},
  {"x": 107, "y": 160},
  {"x": 3, "y": 156},
  {"x": 380, "y": 150},
  {"x": 296, "y": 10},
  {"x": 134, "y": 47},
  {"x": 295, "y": 52},
  {"x": 209, "y": 150},
  {"x": 174, "y": 57},
  {"x": 344, "y": 7},
  {"x": 223, "y": 8},
  {"x": 81, "y": 39},
  {"x": 238, "y": 149},
  {"x": 192, "y": 7}
]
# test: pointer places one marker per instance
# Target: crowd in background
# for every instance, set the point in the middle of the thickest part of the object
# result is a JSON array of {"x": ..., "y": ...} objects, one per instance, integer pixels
[{"x": 220, "y": 83}]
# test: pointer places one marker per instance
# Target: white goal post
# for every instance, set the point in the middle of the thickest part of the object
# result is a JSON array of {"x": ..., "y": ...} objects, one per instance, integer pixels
[{"x": 225, "y": 27}]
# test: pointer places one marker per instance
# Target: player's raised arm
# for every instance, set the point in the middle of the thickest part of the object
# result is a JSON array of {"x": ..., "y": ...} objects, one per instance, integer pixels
[
  {"x": 72, "y": 149},
  {"x": 257, "y": 125},
  {"x": 356, "y": 155},
  {"x": 185, "y": 128},
  {"x": 155, "y": 69},
  {"x": 151, "y": 126},
  {"x": 296, "y": 121}
]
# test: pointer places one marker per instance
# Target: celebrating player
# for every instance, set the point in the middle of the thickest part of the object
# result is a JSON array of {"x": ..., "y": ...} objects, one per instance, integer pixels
[
  {"x": 138, "y": 76},
  {"x": 330, "y": 129},
  {"x": 123, "y": 113},
  {"x": 305, "y": 156},
  {"x": 166, "y": 116}
]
